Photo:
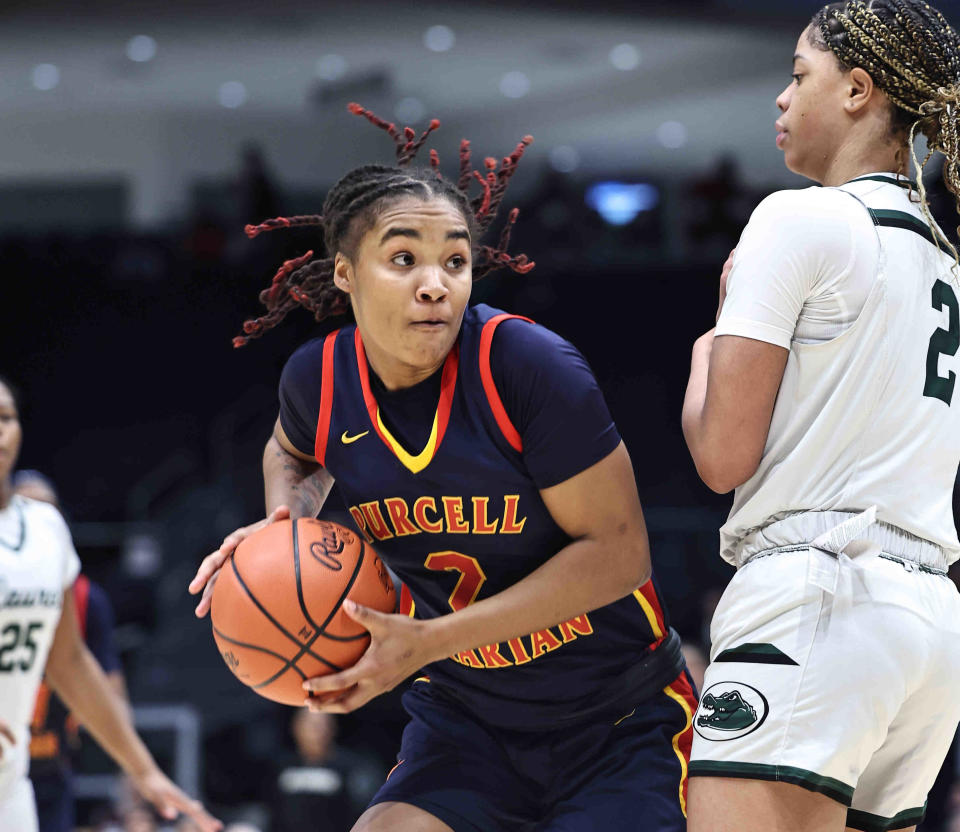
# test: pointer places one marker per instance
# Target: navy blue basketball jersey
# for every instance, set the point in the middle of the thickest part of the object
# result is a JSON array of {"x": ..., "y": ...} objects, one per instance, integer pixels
[{"x": 462, "y": 519}]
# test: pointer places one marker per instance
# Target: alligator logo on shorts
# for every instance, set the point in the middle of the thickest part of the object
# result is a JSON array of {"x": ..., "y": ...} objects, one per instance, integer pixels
[{"x": 729, "y": 710}]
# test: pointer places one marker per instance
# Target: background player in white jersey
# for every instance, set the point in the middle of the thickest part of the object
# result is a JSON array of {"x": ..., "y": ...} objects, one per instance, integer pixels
[
  {"x": 826, "y": 396},
  {"x": 38, "y": 628}
]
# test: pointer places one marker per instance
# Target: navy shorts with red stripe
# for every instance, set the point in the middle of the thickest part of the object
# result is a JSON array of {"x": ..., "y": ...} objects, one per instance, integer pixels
[{"x": 620, "y": 774}]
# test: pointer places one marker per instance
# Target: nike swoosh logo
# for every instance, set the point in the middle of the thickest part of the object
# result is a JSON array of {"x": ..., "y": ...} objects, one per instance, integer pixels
[{"x": 347, "y": 440}]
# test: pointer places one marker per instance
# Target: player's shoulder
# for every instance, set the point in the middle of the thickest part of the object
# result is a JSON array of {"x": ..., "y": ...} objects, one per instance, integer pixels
[
  {"x": 41, "y": 513},
  {"x": 814, "y": 203},
  {"x": 306, "y": 361},
  {"x": 526, "y": 358},
  {"x": 525, "y": 339},
  {"x": 813, "y": 222},
  {"x": 308, "y": 353}
]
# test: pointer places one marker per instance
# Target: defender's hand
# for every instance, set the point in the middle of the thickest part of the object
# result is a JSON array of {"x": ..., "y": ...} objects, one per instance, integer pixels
[
  {"x": 156, "y": 787},
  {"x": 398, "y": 648},
  {"x": 724, "y": 274},
  {"x": 206, "y": 575}
]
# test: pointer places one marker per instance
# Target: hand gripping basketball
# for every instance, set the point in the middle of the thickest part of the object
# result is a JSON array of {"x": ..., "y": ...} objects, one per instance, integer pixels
[
  {"x": 399, "y": 647},
  {"x": 206, "y": 575}
]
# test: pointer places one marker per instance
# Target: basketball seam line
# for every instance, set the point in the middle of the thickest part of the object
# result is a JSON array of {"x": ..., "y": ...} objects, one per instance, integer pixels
[
  {"x": 292, "y": 662},
  {"x": 304, "y": 648},
  {"x": 303, "y": 606},
  {"x": 346, "y": 591},
  {"x": 296, "y": 567},
  {"x": 266, "y": 650}
]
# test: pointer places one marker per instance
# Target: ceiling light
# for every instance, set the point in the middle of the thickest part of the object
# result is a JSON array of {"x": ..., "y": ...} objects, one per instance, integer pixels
[
  {"x": 564, "y": 158},
  {"x": 45, "y": 76},
  {"x": 439, "y": 39},
  {"x": 625, "y": 57},
  {"x": 409, "y": 110},
  {"x": 331, "y": 67},
  {"x": 672, "y": 134},
  {"x": 232, "y": 94},
  {"x": 514, "y": 85},
  {"x": 141, "y": 48}
]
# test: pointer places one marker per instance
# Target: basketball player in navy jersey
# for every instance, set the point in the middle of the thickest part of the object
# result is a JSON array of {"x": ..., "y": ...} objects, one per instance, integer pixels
[{"x": 475, "y": 451}]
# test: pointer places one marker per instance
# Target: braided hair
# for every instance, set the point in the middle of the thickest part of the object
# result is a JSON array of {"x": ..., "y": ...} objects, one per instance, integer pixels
[
  {"x": 350, "y": 210},
  {"x": 913, "y": 55}
]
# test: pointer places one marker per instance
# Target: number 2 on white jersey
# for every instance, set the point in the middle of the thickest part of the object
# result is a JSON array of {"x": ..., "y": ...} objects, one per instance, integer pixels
[{"x": 943, "y": 342}]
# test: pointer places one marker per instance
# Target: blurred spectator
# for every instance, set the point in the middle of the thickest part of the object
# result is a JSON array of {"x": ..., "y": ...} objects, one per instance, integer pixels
[
  {"x": 319, "y": 786},
  {"x": 206, "y": 242},
  {"x": 54, "y": 734},
  {"x": 719, "y": 208},
  {"x": 257, "y": 195}
]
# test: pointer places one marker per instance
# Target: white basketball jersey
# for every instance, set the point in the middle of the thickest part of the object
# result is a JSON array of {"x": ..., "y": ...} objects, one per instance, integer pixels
[
  {"x": 37, "y": 564},
  {"x": 871, "y": 417}
]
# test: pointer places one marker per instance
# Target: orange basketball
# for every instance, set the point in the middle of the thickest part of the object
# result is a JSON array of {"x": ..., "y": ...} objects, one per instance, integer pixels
[{"x": 276, "y": 605}]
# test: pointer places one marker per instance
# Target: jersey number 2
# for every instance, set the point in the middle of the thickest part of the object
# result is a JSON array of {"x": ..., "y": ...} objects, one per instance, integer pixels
[
  {"x": 471, "y": 576},
  {"x": 943, "y": 342}
]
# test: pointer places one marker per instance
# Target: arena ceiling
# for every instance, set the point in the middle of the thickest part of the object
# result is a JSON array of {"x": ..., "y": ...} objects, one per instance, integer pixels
[{"x": 662, "y": 86}]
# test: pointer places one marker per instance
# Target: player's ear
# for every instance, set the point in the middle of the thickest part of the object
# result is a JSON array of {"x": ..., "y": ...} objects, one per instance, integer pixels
[
  {"x": 343, "y": 273},
  {"x": 860, "y": 90}
]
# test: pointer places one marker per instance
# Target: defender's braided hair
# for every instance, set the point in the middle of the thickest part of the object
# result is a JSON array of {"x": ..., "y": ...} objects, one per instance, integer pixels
[
  {"x": 350, "y": 210},
  {"x": 913, "y": 55}
]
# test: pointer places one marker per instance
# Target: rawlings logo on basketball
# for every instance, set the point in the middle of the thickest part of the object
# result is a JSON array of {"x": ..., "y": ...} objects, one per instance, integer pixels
[
  {"x": 729, "y": 710},
  {"x": 327, "y": 557},
  {"x": 328, "y": 548}
]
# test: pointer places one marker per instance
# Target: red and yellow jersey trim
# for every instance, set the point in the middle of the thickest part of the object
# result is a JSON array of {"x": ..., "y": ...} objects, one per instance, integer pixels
[
  {"x": 408, "y": 606},
  {"x": 448, "y": 382},
  {"x": 510, "y": 433},
  {"x": 647, "y": 598},
  {"x": 326, "y": 397},
  {"x": 681, "y": 692}
]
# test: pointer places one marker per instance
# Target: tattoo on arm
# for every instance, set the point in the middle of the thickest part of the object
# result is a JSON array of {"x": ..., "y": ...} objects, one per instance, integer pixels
[{"x": 305, "y": 483}]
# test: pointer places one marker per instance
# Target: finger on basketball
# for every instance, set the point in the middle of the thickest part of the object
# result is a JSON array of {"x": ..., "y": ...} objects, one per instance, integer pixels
[
  {"x": 372, "y": 620},
  {"x": 329, "y": 701},
  {"x": 355, "y": 698},
  {"x": 334, "y": 681},
  {"x": 204, "y": 606},
  {"x": 279, "y": 513},
  {"x": 208, "y": 566},
  {"x": 212, "y": 562}
]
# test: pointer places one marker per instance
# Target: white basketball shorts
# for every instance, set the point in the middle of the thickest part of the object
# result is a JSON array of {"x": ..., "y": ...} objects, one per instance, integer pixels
[
  {"x": 852, "y": 691},
  {"x": 18, "y": 808}
]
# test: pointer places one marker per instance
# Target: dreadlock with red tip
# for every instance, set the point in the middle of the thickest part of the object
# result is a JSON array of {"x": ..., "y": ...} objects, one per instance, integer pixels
[{"x": 351, "y": 208}]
